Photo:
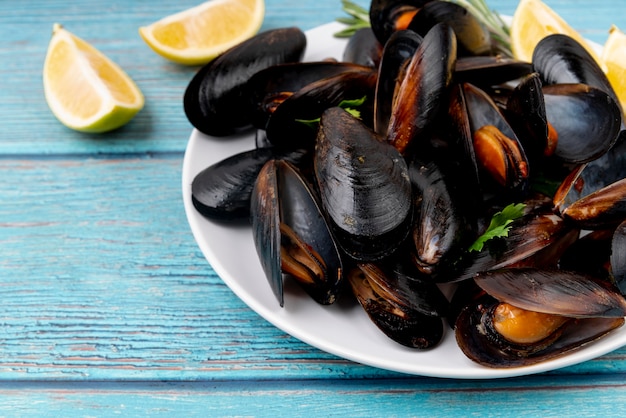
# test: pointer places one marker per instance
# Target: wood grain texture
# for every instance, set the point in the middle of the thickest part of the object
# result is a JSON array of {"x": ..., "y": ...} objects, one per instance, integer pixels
[
  {"x": 107, "y": 306},
  {"x": 528, "y": 397}
]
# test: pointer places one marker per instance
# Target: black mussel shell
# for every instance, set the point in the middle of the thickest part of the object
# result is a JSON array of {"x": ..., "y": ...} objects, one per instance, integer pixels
[
  {"x": 424, "y": 89},
  {"x": 536, "y": 239},
  {"x": 215, "y": 101},
  {"x": 270, "y": 87},
  {"x": 400, "y": 323},
  {"x": 498, "y": 150},
  {"x": 388, "y": 16},
  {"x": 457, "y": 152},
  {"x": 560, "y": 59},
  {"x": 489, "y": 70},
  {"x": 405, "y": 287},
  {"x": 556, "y": 292},
  {"x": 593, "y": 195},
  {"x": 618, "y": 257},
  {"x": 443, "y": 226},
  {"x": 526, "y": 112},
  {"x": 222, "y": 191},
  {"x": 480, "y": 343},
  {"x": 472, "y": 36},
  {"x": 364, "y": 186},
  {"x": 363, "y": 48},
  {"x": 290, "y": 126},
  {"x": 589, "y": 254},
  {"x": 398, "y": 51},
  {"x": 586, "y": 120},
  {"x": 285, "y": 213}
]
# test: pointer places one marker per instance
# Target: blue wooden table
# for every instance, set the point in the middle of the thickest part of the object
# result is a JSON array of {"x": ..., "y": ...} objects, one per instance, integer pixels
[{"x": 108, "y": 307}]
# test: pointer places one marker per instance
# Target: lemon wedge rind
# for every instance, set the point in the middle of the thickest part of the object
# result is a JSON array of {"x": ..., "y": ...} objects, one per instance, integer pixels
[
  {"x": 84, "y": 89},
  {"x": 197, "y": 35}
]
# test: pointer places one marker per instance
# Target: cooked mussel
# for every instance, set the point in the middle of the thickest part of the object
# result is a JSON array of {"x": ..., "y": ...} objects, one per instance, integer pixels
[
  {"x": 530, "y": 315},
  {"x": 536, "y": 239},
  {"x": 215, "y": 100},
  {"x": 498, "y": 150},
  {"x": 289, "y": 124},
  {"x": 407, "y": 310},
  {"x": 586, "y": 121},
  {"x": 291, "y": 235},
  {"x": 388, "y": 16},
  {"x": 364, "y": 186},
  {"x": 424, "y": 89},
  {"x": 560, "y": 59},
  {"x": 398, "y": 51},
  {"x": 270, "y": 87},
  {"x": 593, "y": 195}
]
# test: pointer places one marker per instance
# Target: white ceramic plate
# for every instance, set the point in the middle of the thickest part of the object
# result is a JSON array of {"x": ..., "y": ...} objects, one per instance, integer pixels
[{"x": 343, "y": 329}]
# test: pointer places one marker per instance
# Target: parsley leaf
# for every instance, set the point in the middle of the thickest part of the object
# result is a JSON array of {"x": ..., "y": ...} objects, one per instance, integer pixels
[
  {"x": 347, "y": 105},
  {"x": 499, "y": 225}
]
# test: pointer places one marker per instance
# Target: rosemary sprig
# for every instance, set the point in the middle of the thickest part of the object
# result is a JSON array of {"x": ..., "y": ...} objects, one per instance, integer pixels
[{"x": 359, "y": 18}]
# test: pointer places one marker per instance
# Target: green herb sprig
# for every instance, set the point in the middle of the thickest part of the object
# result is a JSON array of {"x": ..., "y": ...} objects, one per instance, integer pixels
[
  {"x": 359, "y": 18},
  {"x": 349, "y": 105},
  {"x": 499, "y": 226}
]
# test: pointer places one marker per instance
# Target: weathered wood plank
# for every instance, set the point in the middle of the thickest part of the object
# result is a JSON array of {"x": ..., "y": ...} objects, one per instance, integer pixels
[{"x": 529, "y": 397}]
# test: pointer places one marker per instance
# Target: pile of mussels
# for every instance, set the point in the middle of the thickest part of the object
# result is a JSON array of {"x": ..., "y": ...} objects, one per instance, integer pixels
[{"x": 385, "y": 205}]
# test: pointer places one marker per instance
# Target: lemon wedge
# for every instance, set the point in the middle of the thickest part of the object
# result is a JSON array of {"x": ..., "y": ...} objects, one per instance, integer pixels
[
  {"x": 614, "y": 58},
  {"x": 532, "y": 21},
  {"x": 197, "y": 35},
  {"x": 84, "y": 89}
]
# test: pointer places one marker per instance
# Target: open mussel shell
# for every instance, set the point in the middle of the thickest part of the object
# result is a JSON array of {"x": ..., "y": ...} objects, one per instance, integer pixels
[
  {"x": 388, "y": 16},
  {"x": 477, "y": 338},
  {"x": 560, "y": 59},
  {"x": 270, "y": 87},
  {"x": 498, "y": 150},
  {"x": 222, "y": 191},
  {"x": 538, "y": 238},
  {"x": 400, "y": 307},
  {"x": 556, "y": 292},
  {"x": 215, "y": 101},
  {"x": 424, "y": 88},
  {"x": 472, "y": 36},
  {"x": 291, "y": 235},
  {"x": 398, "y": 51},
  {"x": 593, "y": 195},
  {"x": 287, "y": 127},
  {"x": 529, "y": 315},
  {"x": 364, "y": 186},
  {"x": 586, "y": 120}
]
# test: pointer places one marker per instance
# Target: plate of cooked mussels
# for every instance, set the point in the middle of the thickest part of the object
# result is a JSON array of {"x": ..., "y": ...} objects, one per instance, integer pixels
[{"x": 412, "y": 200}]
